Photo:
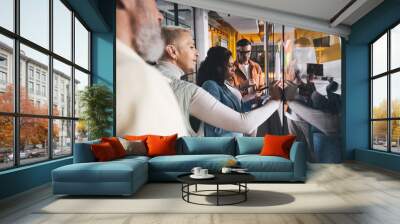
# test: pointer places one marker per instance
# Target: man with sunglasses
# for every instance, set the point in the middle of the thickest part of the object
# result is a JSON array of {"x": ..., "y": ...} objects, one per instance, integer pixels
[{"x": 248, "y": 77}]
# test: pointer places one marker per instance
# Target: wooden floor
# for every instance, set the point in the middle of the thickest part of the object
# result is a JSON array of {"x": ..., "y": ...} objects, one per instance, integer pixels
[{"x": 377, "y": 188}]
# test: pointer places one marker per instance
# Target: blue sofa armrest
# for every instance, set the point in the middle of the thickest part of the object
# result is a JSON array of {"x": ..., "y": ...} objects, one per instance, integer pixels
[
  {"x": 298, "y": 157},
  {"x": 83, "y": 152}
]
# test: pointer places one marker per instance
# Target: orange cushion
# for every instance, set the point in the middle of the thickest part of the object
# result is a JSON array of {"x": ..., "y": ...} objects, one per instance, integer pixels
[
  {"x": 161, "y": 145},
  {"x": 277, "y": 145},
  {"x": 103, "y": 151},
  {"x": 116, "y": 145},
  {"x": 136, "y": 137}
]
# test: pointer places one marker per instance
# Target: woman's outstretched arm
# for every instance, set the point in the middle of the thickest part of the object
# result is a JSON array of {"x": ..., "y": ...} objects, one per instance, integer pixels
[{"x": 208, "y": 109}]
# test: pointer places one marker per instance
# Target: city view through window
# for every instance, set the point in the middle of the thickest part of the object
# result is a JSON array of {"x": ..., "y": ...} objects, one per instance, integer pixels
[
  {"x": 385, "y": 95},
  {"x": 48, "y": 74}
]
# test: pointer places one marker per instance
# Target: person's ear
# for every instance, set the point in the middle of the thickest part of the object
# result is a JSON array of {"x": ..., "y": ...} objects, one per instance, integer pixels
[{"x": 172, "y": 51}]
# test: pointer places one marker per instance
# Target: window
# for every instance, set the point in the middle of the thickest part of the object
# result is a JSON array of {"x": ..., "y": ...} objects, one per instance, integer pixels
[
  {"x": 7, "y": 86},
  {"x": 3, "y": 61},
  {"x": 3, "y": 72},
  {"x": 37, "y": 74},
  {"x": 62, "y": 74},
  {"x": 62, "y": 29},
  {"x": 34, "y": 21},
  {"x": 41, "y": 66},
  {"x": 38, "y": 89},
  {"x": 33, "y": 149},
  {"x": 30, "y": 87},
  {"x": 395, "y": 47},
  {"x": 385, "y": 96},
  {"x": 6, "y": 143},
  {"x": 55, "y": 101},
  {"x": 3, "y": 81},
  {"x": 3, "y": 78},
  {"x": 62, "y": 140},
  {"x": 177, "y": 14},
  {"x": 81, "y": 45},
  {"x": 7, "y": 14},
  {"x": 30, "y": 72},
  {"x": 81, "y": 81},
  {"x": 44, "y": 91}
]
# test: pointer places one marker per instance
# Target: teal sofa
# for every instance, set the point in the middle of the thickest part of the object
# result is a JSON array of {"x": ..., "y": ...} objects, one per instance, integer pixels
[{"x": 125, "y": 176}]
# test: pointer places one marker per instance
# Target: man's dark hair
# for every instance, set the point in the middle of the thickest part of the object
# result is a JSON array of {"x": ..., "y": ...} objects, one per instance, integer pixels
[
  {"x": 242, "y": 43},
  {"x": 215, "y": 66}
]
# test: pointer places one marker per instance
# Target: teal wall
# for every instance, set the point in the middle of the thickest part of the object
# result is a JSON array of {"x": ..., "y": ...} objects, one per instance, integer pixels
[
  {"x": 102, "y": 58},
  {"x": 99, "y": 17},
  {"x": 103, "y": 51},
  {"x": 380, "y": 159},
  {"x": 24, "y": 178},
  {"x": 356, "y": 83}
]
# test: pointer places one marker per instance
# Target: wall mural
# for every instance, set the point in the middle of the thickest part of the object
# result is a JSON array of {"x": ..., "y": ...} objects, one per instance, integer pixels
[{"x": 279, "y": 80}]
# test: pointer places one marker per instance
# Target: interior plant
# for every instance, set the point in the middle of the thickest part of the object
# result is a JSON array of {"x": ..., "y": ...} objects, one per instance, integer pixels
[{"x": 96, "y": 103}]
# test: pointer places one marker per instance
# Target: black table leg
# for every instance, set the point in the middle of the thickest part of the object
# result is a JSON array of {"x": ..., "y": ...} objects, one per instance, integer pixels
[
  {"x": 188, "y": 189},
  {"x": 182, "y": 190},
  {"x": 217, "y": 194},
  {"x": 245, "y": 193}
]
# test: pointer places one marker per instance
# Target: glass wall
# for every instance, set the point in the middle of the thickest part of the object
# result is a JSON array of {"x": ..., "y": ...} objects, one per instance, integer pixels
[
  {"x": 38, "y": 83},
  {"x": 308, "y": 66},
  {"x": 176, "y": 14},
  {"x": 385, "y": 96}
]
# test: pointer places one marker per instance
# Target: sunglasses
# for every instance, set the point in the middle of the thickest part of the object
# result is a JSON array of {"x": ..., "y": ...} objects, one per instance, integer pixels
[{"x": 244, "y": 52}]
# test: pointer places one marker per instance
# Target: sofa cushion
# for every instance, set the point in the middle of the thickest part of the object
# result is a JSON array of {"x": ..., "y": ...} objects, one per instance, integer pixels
[
  {"x": 257, "y": 163},
  {"x": 249, "y": 145},
  {"x": 134, "y": 147},
  {"x": 116, "y": 145},
  {"x": 103, "y": 152},
  {"x": 206, "y": 145},
  {"x": 277, "y": 145},
  {"x": 185, "y": 163},
  {"x": 161, "y": 145},
  {"x": 136, "y": 137},
  {"x": 112, "y": 171}
]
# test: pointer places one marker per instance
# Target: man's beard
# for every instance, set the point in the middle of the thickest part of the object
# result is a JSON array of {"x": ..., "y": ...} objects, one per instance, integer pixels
[{"x": 149, "y": 43}]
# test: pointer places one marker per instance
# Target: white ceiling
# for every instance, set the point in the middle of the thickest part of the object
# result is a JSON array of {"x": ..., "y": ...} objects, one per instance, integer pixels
[
  {"x": 242, "y": 25},
  {"x": 320, "y": 9},
  {"x": 309, "y": 14}
]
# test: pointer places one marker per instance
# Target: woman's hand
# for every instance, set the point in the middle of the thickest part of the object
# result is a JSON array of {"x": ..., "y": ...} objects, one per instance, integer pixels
[
  {"x": 275, "y": 90},
  {"x": 290, "y": 90}
]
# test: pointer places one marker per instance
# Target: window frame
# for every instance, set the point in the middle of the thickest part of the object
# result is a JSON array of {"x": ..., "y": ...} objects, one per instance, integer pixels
[
  {"x": 16, "y": 115},
  {"x": 388, "y": 74}
]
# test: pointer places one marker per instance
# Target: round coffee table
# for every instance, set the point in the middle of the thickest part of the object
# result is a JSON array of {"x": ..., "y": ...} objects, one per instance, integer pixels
[{"x": 238, "y": 179}]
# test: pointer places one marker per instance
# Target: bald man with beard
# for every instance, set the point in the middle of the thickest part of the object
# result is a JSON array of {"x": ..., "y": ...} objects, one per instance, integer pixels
[{"x": 146, "y": 103}]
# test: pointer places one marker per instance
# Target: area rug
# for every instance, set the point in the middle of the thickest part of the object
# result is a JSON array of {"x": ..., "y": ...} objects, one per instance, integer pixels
[{"x": 167, "y": 198}]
